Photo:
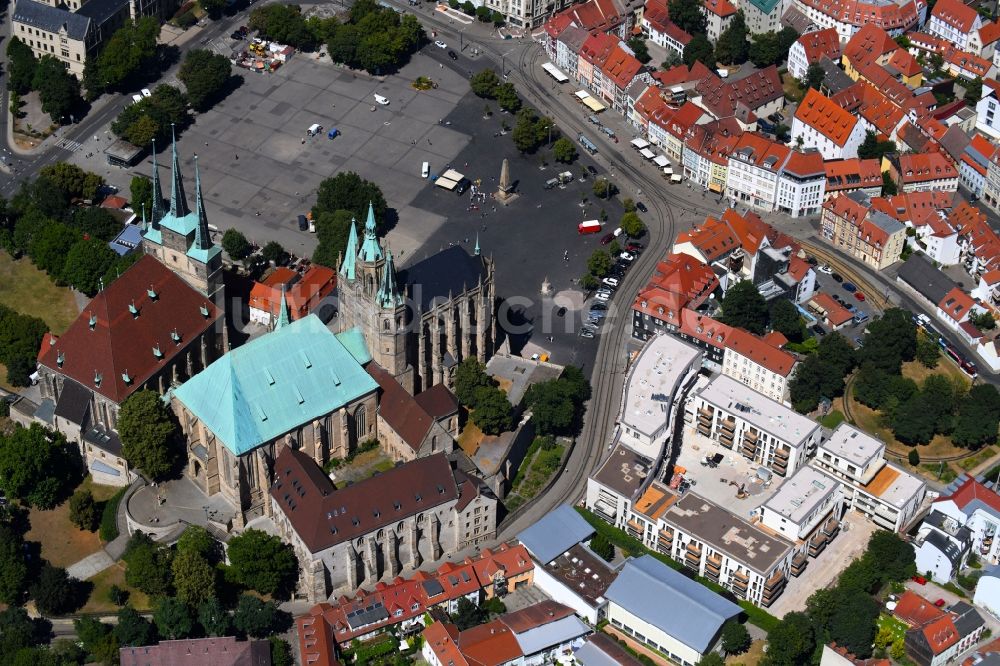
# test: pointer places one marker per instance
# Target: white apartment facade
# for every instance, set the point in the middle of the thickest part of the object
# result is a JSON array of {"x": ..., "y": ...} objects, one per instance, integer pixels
[{"x": 757, "y": 364}]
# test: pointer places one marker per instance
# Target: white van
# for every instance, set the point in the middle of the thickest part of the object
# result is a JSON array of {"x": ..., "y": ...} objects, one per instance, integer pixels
[
  {"x": 381, "y": 100},
  {"x": 425, "y": 170},
  {"x": 618, "y": 232},
  {"x": 314, "y": 129}
]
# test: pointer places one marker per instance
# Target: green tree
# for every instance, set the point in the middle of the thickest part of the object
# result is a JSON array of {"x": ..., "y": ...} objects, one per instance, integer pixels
[
  {"x": 259, "y": 619},
  {"x": 891, "y": 556},
  {"x": 469, "y": 8},
  {"x": 95, "y": 223},
  {"x": 599, "y": 263},
  {"x": 484, "y": 14},
  {"x": 281, "y": 651},
  {"x": 236, "y": 244},
  {"x": 86, "y": 263},
  {"x": 785, "y": 319},
  {"x": 493, "y": 411},
  {"x": 712, "y": 659},
  {"x": 814, "y": 76},
  {"x": 204, "y": 75},
  {"x": 37, "y": 466},
  {"x": 468, "y": 615},
  {"x": 349, "y": 191},
  {"x": 852, "y": 624},
  {"x": 915, "y": 420},
  {"x": 54, "y": 592},
  {"x": 687, "y": 15},
  {"x": 498, "y": 19},
  {"x": 21, "y": 65},
  {"x": 152, "y": 117},
  {"x": 129, "y": 51},
  {"x": 133, "y": 630},
  {"x": 332, "y": 231},
  {"x": 564, "y": 150},
  {"x": 743, "y": 306},
  {"x": 872, "y": 148},
  {"x": 507, "y": 98},
  {"x": 983, "y": 320},
  {"x": 977, "y": 418},
  {"x": 13, "y": 569},
  {"x": 928, "y": 352},
  {"x": 602, "y": 547},
  {"x": 973, "y": 90},
  {"x": 632, "y": 225},
  {"x": 147, "y": 565},
  {"x": 470, "y": 375},
  {"x": 282, "y": 23},
  {"x": 148, "y": 433},
  {"x": 735, "y": 638},
  {"x": 18, "y": 631},
  {"x": 263, "y": 563},
  {"x": 117, "y": 595},
  {"x": 552, "y": 407},
  {"x": 602, "y": 188},
  {"x": 97, "y": 639},
  {"x": 699, "y": 49},
  {"x": 194, "y": 578},
  {"x": 526, "y": 131},
  {"x": 733, "y": 46},
  {"x": 813, "y": 380},
  {"x": 58, "y": 90},
  {"x": 83, "y": 511},
  {"x": 214, "y": 618},
  {"x": 638, "y": 46},
  {"x": 197, "y": 541},
  {"x": 214, "y": 8},
  {"x": 765, "y": 49},
  {"x": 791, "y": 642},
  {"x": 173, "y": 619},
  {"x": 890, "y": 340},
  {"x": 50, "y": 246},
  {"x": 913, "y": 457},
  {"x": 786, "y": 37},
  {"x": 484, "y": 83},
  {"x": 889, "y": 187}
]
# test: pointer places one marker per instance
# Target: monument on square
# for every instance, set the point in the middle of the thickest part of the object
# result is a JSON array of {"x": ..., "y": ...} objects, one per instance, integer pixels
[{"x": 505, "y": 193}]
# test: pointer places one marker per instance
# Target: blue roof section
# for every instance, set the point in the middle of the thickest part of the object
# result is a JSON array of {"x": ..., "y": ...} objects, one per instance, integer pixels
[
  {"x": 671, "y": 602},
  {"x": 544, "y": 637},
  {"x": 354, "y": 340},
  {"x": 555, "y": 533},
  {"x": 274, "y": 384},
  {"x": 127, "y": 240}
]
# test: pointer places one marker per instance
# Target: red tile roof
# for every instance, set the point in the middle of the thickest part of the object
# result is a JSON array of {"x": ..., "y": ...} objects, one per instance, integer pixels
[
  {"x": 657, "y": 15},
  {"x": 509, "y": 561},
  {"x": 442, "y": 638},
  {"x": 924, "y": 167},
  {"x": 748, "y": 228},
  {"x": 621, "y": 67},
  {"x": 969, "y": 62},
  {"x": 122, "y": 343},
  {"x": 714, "y": 239},
  {"x": 804, "y": 164},
  {"x": 989, "y": 32},
  {"x": 941, "y": 634},
  {"x": 225, "y": 651},
  {"x": 852, "y": 174},
  {"x": 888, "y": 15},
  {"x": 721, "y": 97},
  {"x": 956, "y": 304},
  {"x": 684, "y": 119},
  {"x": 821, "y": 43},
  {"x": 836, "y": 314},
  {"x": 489, "y": 644},
  {"x": 316, "y": 643},
  {"x": 679, "y": 74},
  {"x": 903, "y": 62},
  {"x": 915, "y": 610},
  {"x": 760, "y": 352},
  {"x": 955, "y": 13},
  {"x": 972, "y": 490},
  {"x": 303, "y": 290},
  {"x": 762, "y": 152},
  {"x": 721, "y": 8},
  {"x": 592, "y": 16},
  {"x": 598, "y": 48}
]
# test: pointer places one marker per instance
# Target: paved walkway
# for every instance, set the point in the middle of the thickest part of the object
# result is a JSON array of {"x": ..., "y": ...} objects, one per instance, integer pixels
[{"x": 91, "y": 565}]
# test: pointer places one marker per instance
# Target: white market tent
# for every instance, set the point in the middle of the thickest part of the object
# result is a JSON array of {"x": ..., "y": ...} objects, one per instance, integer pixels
[
  {"x": 592, "y": 104},
  {"x": 449, "y": 179},
  {"x": 554, "y": 72},
  {"x": 661, "y": 161},
  {"x": 647, "y": 153},
  {"x": 639, "y": 144}
]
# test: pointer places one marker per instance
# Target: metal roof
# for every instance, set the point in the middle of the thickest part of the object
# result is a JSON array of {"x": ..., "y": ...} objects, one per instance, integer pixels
[
  {"x": 551, "y": 634},
  {"x": 274, "y": 384},
  {"x": 671, "y": 602},
  {"x": 555, "y": 533},
  {"x": 51, "y": 19}
]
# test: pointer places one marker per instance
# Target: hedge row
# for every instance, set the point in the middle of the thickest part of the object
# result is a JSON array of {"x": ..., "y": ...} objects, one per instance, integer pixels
[
  {"x": 109, "y": 517},
  {"x": 631, "y": 546}
]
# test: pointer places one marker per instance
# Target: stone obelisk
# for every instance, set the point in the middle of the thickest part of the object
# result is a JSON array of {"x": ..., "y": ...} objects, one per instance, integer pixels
[{"x": 504, "y": 192}]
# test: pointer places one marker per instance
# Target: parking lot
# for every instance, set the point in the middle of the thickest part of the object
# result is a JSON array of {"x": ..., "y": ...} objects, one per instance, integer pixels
[{"x": 827, "y": 283}]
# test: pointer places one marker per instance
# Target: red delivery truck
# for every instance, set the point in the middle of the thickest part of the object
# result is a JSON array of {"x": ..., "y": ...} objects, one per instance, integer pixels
[{"x": 589, "y": 227}]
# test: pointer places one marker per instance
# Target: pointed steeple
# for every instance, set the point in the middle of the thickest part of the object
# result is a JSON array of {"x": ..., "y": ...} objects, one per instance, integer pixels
[
  {"x": 351, "y": 254},
  {"x": 388, "y": 293},
  {"x": 282, "y": 311},
  {"x": 157, "y": 211},
  {"x": 370, "y": 249},
  {"x": 477, "y": 246},
  {"x": 178, "y": 204},
  {"x": 202, "y": 237}
]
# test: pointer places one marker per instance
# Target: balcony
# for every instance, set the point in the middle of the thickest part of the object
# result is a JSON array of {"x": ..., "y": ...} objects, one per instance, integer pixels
[
  {"x": 781, "y": 453},
  {"x": 608, "y": 514},
  {"x": 728, "y": 424},
  {"x": 831, "y": 528},
  {"x": 817, "y": 544},
  {"x": 726, "y": 438},
  {"x": 705, "y": 413},
  {"x": 776, "y": 581},
  {"x": 665, "y": 537},
  {"x": 741, "y": 583},
  {"x": 713, "y": 563},
  {"x": 704, "y": 430},
  {"x": 750, "y": 435},
  {"x": 799, "y": 563},
  {"x": 635, "y": 529}
]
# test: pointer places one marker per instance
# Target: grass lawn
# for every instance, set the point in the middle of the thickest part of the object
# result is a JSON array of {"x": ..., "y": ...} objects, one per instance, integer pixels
[
  {"x": 749, "y": 658},
  {"x": 918, "y": 372},
  {"x": 98, "y": 601},
  {"x": 791, "y": 87},
  {"x": 30, "y": 291},
  {"x": 833, "y": 419},
  {"x": 62, "y": 542},
  {"x": 978, "y": 459},
  {"x": 898, "y": 628}
]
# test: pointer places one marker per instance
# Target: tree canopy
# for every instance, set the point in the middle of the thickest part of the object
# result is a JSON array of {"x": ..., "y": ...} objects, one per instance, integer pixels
[
  {"x": 733, "y": 46},
  {"x": 375, "y": 38},
  {"x": 872, "y": 148},
  {"x": 259, "y": 619},
  {"x": 785, "y": 319},
  {"x": 128, "y": 54},
  {"x": 86, "y": 264},
  {"x": 744, "y": 307},
  {"x": 564, "y": 150},
  {"x": 890, "y": 340},
  {"x": 58, "y": 90},
  {"x": 688, "y": 16},
  {"x": 531, "y": 130},
  {"x": 349, "y": 191},
  {"x": 142, "y": 122},
  {"x": 148, "y": 565},
  {"x": 37, "y": 466},
  {"x": 470, "y": 375},
  {"x": 205, "y": 75},
  {"x": 263, "y": 563},
  {"x": 236, "y": 244},
  {"x": 148, "y": 433},
  {"x": 699, "y": 49},
  {"x": 557, "y": 404},
  {"x": 21, "y": 65}
]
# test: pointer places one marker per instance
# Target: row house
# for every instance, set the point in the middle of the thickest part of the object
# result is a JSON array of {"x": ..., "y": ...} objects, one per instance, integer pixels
[
  {"x": 988, "y": 288},
  {"x": 974, "y": 164},
  {"x": 617, "y": 72},
  {"x": 852, "y": 175},
  {"x": 718, "y": 15},
  {"x": 810, "y": 48},
  {"x": 768, "y": 176},
  {"x": 712, "y": 542},
  {"x": 850, "y": 224},
  {"x": 968, "y": 66},
  {"x": 760, "y": 429},
  {"x": 922, "y": 172},
  {"x": 983, "y": 42},
  {"x": 848, "y": 17},
  {"x": 658, "y": 28},
  {"x": 613, "y": 17},
  {"x": 821, "y": 124},
  {"x": 955, "y": 308},
  {"x": 954, "y": 22},
  {"x": 568, "y": 45},
  {"x": 595, "y": 51},
  {"x": 872, "y": 52},
  {"x": 757, "y": 363},
  {"x": 988, "y": 109},
  {"x": 937, "y": 238},
  {"x": 883, "y": 493},
  {"x": 707, "y": 149},
  {"x": 979, "y": 244},
  {"x": 672, "y": 129},
  {"x": 759, "y": 94},
  {"x": 679, "y": 282}
]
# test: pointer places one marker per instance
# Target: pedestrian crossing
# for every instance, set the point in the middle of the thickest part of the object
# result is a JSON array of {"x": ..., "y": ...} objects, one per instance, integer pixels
[{"x": 71, "y": 146}]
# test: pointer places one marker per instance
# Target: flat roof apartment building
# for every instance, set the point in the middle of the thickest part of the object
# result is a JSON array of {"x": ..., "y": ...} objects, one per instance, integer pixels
[
  {"x": 753, "y": 425},
  {"x": 884, "y": 493}
]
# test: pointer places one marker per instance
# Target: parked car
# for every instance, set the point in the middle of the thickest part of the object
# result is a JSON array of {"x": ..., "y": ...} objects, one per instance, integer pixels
[
  {"x": 598, "y": 306},
  {"x": 597, "y": 314},
  {"x": 860, "y": 342},
  {"x": 825, "y": 268},
  {"x": 641, "y": 207},
  {"x": 939, "y": 603},
  {"x": 812, "y": 261},
  {"x": 625, "y": 256},
  {"x": 237, "y": 35},
  {"x": 607, "y": 238},
  {"x": 452, "y": 55},
  {"x": 610, "y": 281},
  {"x": 592, "y": 170},
  {"x": 560, "y": 312},
  {"x": 836, "y": 277},
  {"x": 603, "y": 297},
  {"x": 633, "y": 244},
  {"x": 858, "y": 295},
  {"x": 849, "y": 287},
  {"x": 818, "y": 330},
  {"x": 586, "y": 334},
  {"x": 919, "y": 580},
  {"x": 441, "y": 45}
]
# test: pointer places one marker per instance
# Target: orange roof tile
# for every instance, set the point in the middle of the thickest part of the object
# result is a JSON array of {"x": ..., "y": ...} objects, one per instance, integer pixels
[
  {"x": 489, "y": 644},
  {"x": 441, "y": 637},
  {"x": 804, "y": 164},
  {"x": 915, "y": 610},
  {"x": 889, "y": 15},
  {"x": 760, "y": 352},
  {"x": 941, "y": 634},
  {"x": 989, "y": 32},
  {"x": 621, "y": 67},
  {"x": 924, "y": 167},
  {"x": 761, "y": 151},
  {"x": 955, "y": 13},
  {"x": 968, "y": 61},
  {"x": 721, "y": 8},
  {"x": 821, "y": 43},
  {"x": 836, "y": 314},
  {"x": 956, "y": 304},
  {"x": 852, "y": 174}
]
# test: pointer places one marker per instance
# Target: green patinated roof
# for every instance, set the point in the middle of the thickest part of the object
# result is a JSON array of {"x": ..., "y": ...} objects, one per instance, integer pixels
[
  {"x": 350, "y": 254},
  {"x": 354, "y": 340},
  {"x": 765, "y": 6},
  {"x": 370, "y": 249},
  {"x": 388, "y": 294},
  {"x": 275, "y": 383}
]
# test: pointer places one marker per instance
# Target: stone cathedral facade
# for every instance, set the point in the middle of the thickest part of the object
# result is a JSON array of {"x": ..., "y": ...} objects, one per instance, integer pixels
[{"x": 422, "y": 322}]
